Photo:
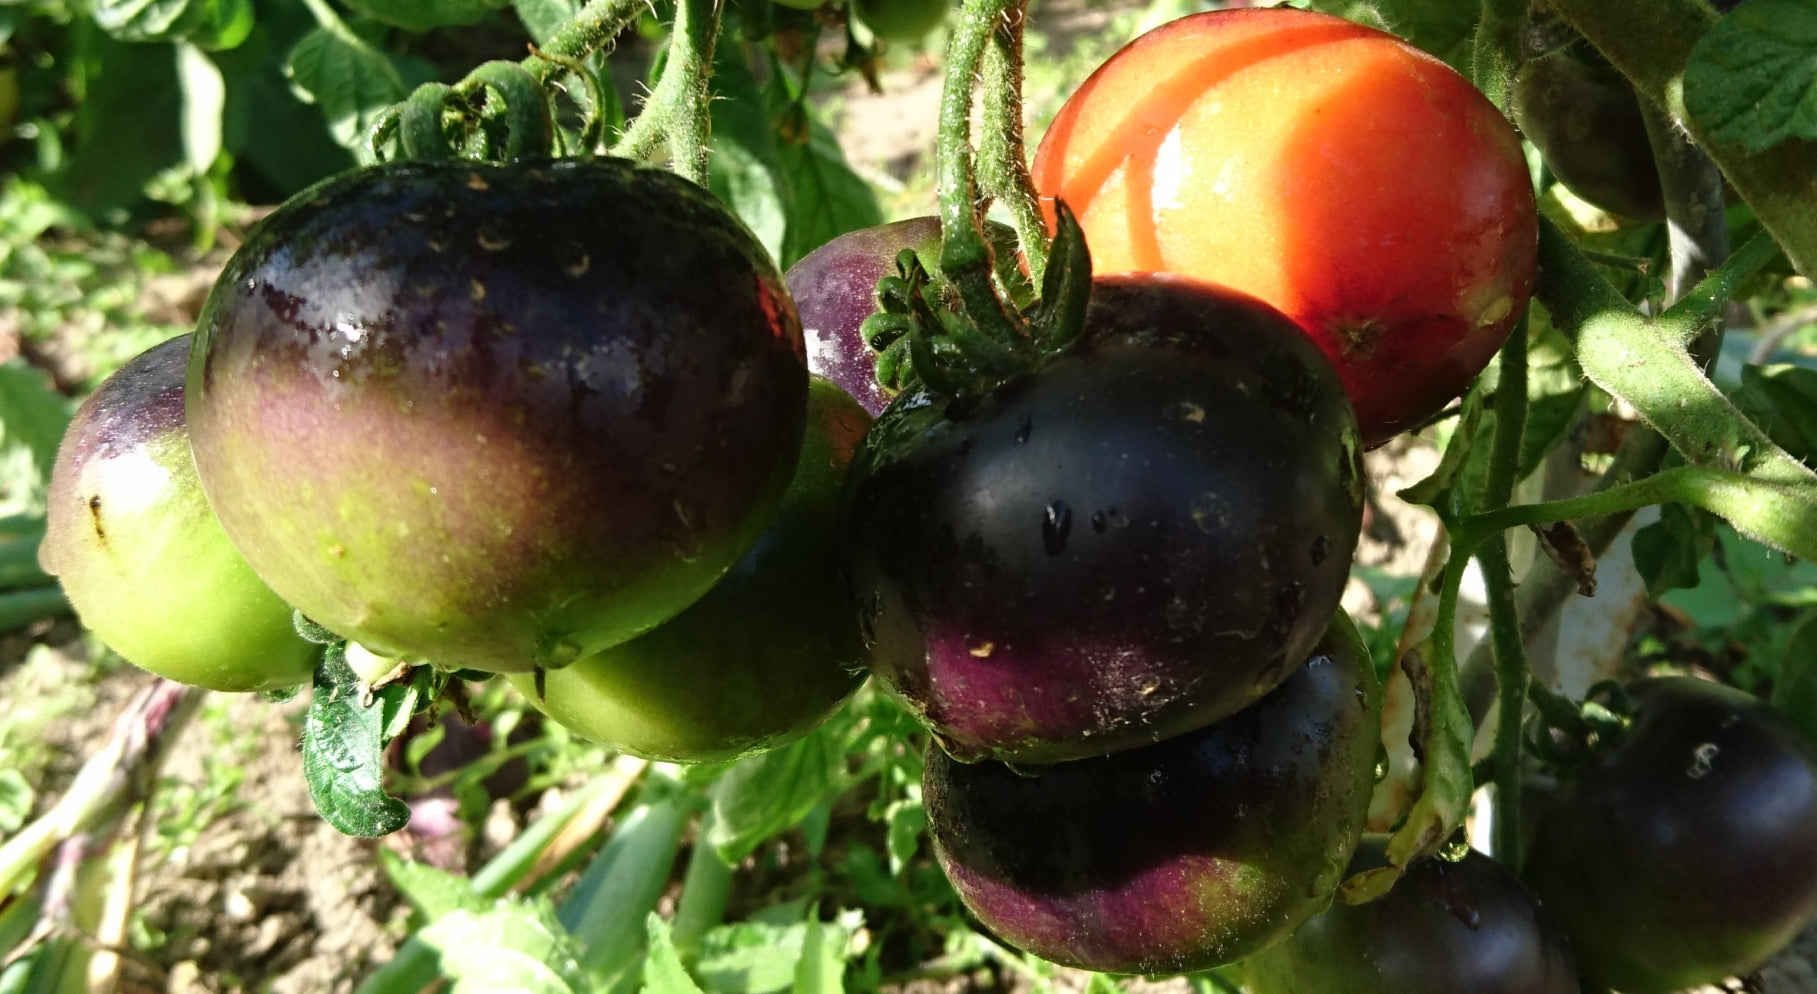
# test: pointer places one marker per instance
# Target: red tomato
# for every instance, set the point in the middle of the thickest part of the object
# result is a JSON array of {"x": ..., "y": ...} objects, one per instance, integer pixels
[{"x": 1351, "y": 180}]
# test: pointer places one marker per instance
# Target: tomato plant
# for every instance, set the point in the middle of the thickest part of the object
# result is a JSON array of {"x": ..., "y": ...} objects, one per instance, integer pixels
[
  {"x": 482, "y": 415},
  {"x": 759, "y": 661},
  {"x": 905, "y": 21},
  {"x": 140, "y": 554},
  {"x": 1686, "y": 850},
  {"x": 1041, "y": 579},
  {"x": 1450, "y": 924},
  {"x": 1182, "y": 855},
  {"x": 1336, "y": 172}
]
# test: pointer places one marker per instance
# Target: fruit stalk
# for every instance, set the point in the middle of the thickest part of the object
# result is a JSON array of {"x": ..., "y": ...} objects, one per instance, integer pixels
[
  {"x": 1496, "y": 50},
  {"x": 677, "y": 109},
  {"x": 1512, "y": 673},
  {"x": 1003, "y": 157}
]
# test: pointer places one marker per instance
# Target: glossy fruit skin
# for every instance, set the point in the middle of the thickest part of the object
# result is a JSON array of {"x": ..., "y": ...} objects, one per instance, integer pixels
[
  {"x": 1688, "y": 851},
  {"x": 904, "y": 21},
  {"x": 1186, "y": 854},
  {"x": 140, "y": 555},
  {"x": 497, "y": 417},
  {"x": 1585, "y": 119},
  {"x": 1349, "y": 179},
  {"x": 1448, "y": 926},
  {"x": 1141, "y": 537},
  {"x": 835, "y": 289},
  {"x": 765, "y": 657}
]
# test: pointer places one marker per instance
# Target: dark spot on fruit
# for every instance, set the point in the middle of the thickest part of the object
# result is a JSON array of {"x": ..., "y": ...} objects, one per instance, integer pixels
[
  {"x": 94, "y": 513},
  {"x": 1321, "y": 549}
]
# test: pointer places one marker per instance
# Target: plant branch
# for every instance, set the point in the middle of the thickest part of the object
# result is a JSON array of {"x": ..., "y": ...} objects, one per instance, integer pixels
[
  {"x": 591, "y": 30},
  {"x": 1511, "y": 670},
  {"x": 1496, "y": 54}
]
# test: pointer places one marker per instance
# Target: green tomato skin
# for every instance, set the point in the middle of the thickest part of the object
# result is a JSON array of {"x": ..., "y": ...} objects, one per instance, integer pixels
[
  {"x": 765, "y": 657},
  {"x": 140, "y": 554},
  {"x": 497, "y": 416},
  {"x": 905, "y": 21}
]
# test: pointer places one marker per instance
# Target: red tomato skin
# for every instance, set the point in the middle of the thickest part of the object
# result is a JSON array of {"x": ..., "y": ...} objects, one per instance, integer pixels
[{"x": 1338, "y": 173}]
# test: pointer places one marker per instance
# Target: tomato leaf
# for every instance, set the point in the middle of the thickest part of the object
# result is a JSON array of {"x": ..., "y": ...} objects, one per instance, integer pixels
[
  {"x": 209, "y": 23},
  {"x": 422, "y": 15},
  {"x": 435, "y": 893},
  {"x": 343, "y": 754},
  {"x": 1667, "y": 551},
  {"x": 204, "y": 100},
  {"x": 1752, "y": 79},
  {"x": 750, "y": 956},
  {"x": 830, "y": 199},
  {"x": 1795, "y": 691},
  {"x": 663, "y": 972},
  {"x": 907, "y": 821},
  {"x": 510, "y": 947},
  {"x": 820, "y": 969},
  {"x": 542, "y": 18},
  {"x": 770, "y": 792},
  {"x": 745, "y": 169},
  {"x": 348, "y": 78},
  {"x": 33, "y": 416},
  {"x": 1782, "y": 400}
]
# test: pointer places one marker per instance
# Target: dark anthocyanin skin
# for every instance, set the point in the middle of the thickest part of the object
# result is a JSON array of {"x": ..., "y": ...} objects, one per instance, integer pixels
[
  {"x": 835, "y": 289},
  {"x": 1688, "y": 851},
  {"x": 1182, "y": 855},
  {"x": 497, "y": 416},
  {"x": 1585, "y": 118},
  {"x": 1136, "y": 540},
  {"x": 764, "y": 658},
  {"x": 130, "y": 536},
  {"x": 1447, "y": 927}
]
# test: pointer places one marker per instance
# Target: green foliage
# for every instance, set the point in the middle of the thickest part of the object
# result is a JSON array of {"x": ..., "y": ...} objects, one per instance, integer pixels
[
  {"x": 1752, "y": 80},
  {"x": 343, "y": 750}
]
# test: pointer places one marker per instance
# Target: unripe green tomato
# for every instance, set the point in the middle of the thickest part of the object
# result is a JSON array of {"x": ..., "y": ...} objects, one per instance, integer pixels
[
  {"x": 140, "y": 554},
  {"x": 903, "y": 21},
  {"x": 766, "y": 656}
]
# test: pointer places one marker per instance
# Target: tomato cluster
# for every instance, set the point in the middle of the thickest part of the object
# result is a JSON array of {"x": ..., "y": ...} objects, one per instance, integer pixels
[{"x": 484, "y": 417}]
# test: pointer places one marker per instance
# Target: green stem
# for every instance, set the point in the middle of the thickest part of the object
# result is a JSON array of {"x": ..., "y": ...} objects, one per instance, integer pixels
[
  {"x": 1003, "y": 156},
  {"x": 965, "y": 254},
  {"x": 1651, "y": 41},
  {"x": 1496, "y": 54},
  {"x": 676, "y": 112},
  {"x": 705, "y": 890},
  {"x": 609, "y": 904},
  {"x": 592, "y": 29},
  {"x": 1511, "y": 670}
]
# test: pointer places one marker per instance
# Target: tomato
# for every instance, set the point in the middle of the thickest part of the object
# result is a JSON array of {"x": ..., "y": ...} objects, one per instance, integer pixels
[
  {"x": 1338, "y": 173},
  {"x": 765, "y": 657},
  {"x": 1585, "y": 120},
  {"x": 905, "y": 21},
  {"x": 496, "y": 417},
  {"x": 1182, "y": 855},
  {"x": 835, "y": 289},
  {"x": 1449, "y": 925},
  {"x": 140, "y": 555},
  {"x": 1139, "y": 538},
  {"x": 1687, "y": 852}
]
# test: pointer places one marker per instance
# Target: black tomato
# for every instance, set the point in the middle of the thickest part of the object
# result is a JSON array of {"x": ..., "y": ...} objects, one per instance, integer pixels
[
  {"x": 765, "y": 657},
  {"x": 1585, "y": 119},
  {"x": 1183, "y": 855},
  {"x": 1447, "y": 927},
  {"x": 130, "y": 536},
  {"x": 497, "y": 417},
  {"x": 1687, "y": 852},
  {"x": 1139, "y": 538}
]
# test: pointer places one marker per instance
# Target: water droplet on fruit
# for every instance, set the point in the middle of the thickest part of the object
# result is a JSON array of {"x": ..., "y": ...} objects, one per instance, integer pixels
[
  {"x": 1321, "y": 548},
  {"x": 1024, "y": 428},
  {"x": 1097, "y": 522},
  {"x": 1116, "y": 518},
  {"x": 1056, "y": 525},
  {"x": 979, "y": 648},
  {"x": 1701, "y": 759},
  {"x": 1381, "y": 770}
]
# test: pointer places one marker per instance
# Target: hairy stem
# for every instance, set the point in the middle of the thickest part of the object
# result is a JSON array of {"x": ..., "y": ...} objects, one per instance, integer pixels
[
  {"x": 1511, "y": 671},
  {"x": 1003, "y": 157},
  {"x": 591, "y": 30},
  {"x": 1496, "y": 50},
  {"x": 676, "y": 113}
]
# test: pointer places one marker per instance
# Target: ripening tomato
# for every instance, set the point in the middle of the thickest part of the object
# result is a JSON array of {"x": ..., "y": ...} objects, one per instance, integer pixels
[{"x": 1336, "y": 172}]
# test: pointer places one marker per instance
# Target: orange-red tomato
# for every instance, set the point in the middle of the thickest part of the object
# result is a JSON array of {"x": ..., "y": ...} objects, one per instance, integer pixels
[{"x": 1351, "y": 180}]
